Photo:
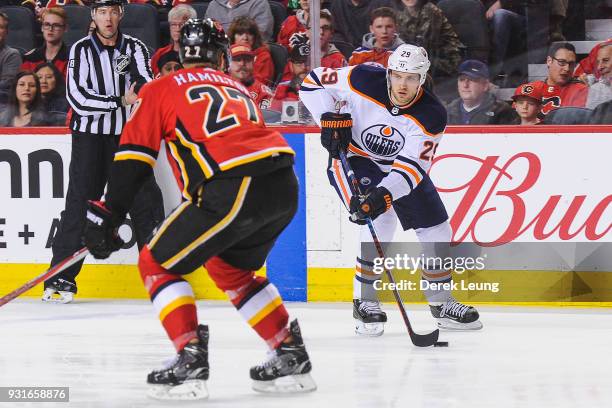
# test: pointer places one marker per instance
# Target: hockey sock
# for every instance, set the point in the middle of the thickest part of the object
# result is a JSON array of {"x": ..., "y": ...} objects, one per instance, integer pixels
[
  {"x": 172, "y": 298},
  {"x": 363, "y": 283},
  {"x": 255, "y": 298},
  {"x": 436, "y": 248}
]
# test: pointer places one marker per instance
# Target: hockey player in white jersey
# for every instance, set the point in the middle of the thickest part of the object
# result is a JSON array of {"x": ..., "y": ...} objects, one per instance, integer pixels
[{"x": 390, "y": 126}]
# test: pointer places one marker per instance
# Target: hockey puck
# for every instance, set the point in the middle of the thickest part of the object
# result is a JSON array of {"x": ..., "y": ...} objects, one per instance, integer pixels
[{"x": 441, "y": 344}]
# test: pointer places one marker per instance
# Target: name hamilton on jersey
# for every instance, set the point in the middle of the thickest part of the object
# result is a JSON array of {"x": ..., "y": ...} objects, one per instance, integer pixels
[{"x": 382, "y": 140}]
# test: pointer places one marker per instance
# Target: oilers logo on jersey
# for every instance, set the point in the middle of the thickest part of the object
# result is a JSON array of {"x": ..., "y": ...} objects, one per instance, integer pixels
[
  {"x": 400, "y": 141},
  {"x": 382, "y": 141}
]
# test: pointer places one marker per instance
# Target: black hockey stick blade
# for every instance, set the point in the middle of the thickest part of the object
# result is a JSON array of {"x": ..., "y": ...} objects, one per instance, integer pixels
[{"x": 424, "y": 340}]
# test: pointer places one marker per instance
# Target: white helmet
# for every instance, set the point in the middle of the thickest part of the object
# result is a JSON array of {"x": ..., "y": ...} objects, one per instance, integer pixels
[{"x": 409, "y": 58}]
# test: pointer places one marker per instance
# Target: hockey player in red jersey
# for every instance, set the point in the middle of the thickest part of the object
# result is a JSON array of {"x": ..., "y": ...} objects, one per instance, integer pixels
[{"x": 239, "y": 193}]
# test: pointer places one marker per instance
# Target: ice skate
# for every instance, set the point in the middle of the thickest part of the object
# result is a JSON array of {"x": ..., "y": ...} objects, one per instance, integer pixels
[
  {"x": 59, "y": 291},
  {"x": 287, "y": 369},
  {"x": 369, "y": 318},
  {"x": 453, "y": 315},
  {"x": 186, "y": 376}
]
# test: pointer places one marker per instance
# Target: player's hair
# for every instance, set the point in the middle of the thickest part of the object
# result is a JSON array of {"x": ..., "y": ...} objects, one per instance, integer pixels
[
  {"x": 56, "y": 11},
  {"x": 383, "y": 12},
  {"x": 247, "y": 25},
  {"x": 181, "y": 11},
  {"x": 4, "y": 16},
  {"x": 552, "y": 50}
]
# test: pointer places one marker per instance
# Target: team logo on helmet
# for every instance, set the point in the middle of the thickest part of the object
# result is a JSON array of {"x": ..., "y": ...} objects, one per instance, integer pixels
[
  {"x": 527, "y": 89},
  {"x": 382, "y": 140}
]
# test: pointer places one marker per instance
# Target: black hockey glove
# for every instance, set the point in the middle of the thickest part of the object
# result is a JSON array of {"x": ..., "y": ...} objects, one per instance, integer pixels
[
  {"x": 101, "y": 235},
  {"x": 336, "y": 132},
  {"x": 370, "y": 205}
]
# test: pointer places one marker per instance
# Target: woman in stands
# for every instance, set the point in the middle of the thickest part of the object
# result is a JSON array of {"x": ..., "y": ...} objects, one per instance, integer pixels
[
  {"x": 244, "y": 31},
  {"x": 24, "y": 106},
  {"x": 52, "y": 88}
]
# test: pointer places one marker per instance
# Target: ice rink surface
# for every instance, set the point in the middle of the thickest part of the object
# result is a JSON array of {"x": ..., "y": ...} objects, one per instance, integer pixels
[{"x": 524, "y": 357}]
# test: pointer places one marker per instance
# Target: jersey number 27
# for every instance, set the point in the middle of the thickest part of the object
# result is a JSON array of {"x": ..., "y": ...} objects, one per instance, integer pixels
[{"x": 223, "y": 110}]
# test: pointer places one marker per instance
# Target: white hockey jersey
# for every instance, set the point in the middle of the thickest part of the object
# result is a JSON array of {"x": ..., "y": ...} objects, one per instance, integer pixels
[{"x": 401, "y": 141}]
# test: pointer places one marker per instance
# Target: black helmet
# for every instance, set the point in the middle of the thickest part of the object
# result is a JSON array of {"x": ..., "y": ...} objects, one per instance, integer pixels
[
  {"x": 202, "y": 41},
  {"x": 105, "y": 3}
]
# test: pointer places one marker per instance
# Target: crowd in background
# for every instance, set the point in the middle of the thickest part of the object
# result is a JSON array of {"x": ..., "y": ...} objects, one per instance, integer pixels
[{"x": 32, "y": 83}]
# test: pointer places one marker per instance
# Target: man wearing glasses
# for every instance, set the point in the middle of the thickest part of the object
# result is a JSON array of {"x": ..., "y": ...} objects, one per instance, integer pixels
[
  {"x": 561, "y": 89},
  {"x": 53, "y": 50}
]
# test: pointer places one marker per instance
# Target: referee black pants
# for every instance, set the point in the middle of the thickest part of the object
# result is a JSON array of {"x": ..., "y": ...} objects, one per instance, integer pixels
[{"x": 90, "y": 163}]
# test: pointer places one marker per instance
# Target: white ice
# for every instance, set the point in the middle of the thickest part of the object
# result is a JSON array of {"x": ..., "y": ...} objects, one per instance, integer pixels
[{"x": 524, "y": 357}]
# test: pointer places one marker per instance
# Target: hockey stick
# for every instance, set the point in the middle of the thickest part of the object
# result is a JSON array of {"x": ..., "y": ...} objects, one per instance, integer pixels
[
  {"x": 419, "y": 340},
  {"x": 49, "y": 273}
]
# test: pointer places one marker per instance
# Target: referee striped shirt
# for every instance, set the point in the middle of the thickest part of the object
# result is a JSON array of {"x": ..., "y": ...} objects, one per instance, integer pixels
[{"x": 98, "y": 76}]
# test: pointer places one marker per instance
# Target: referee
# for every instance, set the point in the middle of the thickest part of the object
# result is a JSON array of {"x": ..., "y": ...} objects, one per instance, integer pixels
[{"x": 105, "y": 71}]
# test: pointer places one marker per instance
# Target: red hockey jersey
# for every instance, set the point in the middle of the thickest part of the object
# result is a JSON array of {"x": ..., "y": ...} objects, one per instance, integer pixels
[
  {"x": 553, "y": 96},
  {"x": 208, "y": 121}
]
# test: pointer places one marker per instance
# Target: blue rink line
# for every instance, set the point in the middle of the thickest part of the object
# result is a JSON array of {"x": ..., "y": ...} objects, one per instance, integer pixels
[{"x": 286, "y": 265}]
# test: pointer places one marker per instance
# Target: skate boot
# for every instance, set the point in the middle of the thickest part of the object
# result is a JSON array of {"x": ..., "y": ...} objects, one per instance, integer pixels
[
  {"x": 369, "y": 318},
  {"x": 185, "y": 377},
  {"x": 59, "y": 291},
  {"x": 287, "y": 369},
  {"x": 453, "y": 315}
]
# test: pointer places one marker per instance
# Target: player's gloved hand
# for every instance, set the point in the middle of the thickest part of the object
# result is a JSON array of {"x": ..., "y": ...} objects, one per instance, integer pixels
[
  {"x": 336, "y": 132},
  {"x": 101, "y": 235},
  {"x": 371, "y": 205}
]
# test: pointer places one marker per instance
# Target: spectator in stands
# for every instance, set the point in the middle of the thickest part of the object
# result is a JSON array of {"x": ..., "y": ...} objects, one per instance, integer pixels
[
  {"x": 602, "y": 115},
  {"x": 352, "y": 18},
  {"x": 52, "y": 88},
  {"x": 168, "y": 63},
  {"x": 299, "y": 66},
  {"x": 476, "y": 105},
  {"x": 422, "y": 23},
  {"x": 528, "y": 103},
  {"x": 507, "y": 21},
  {"x": 381, "y": 41},
  {"x": 53, "y": 26},
  {"x": 558, "y": 12},
  {"x": 227, "y": 11},
  {"x": 600, "y": 90},
  {"x": 588, "y": 65},
  {"x": 561, "y": 89},
  {"x": 244, "y": 31},
  {"x": 24, "y": 106},
  {"x": 38, "y": 6},
  {"x": 331, "y": 57},
  {"x": 241, "y": 69},
  {"x": 298, "y": 23},
  {"x": 10, "y": 60},
  {"x": 176, "y": 19}
]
